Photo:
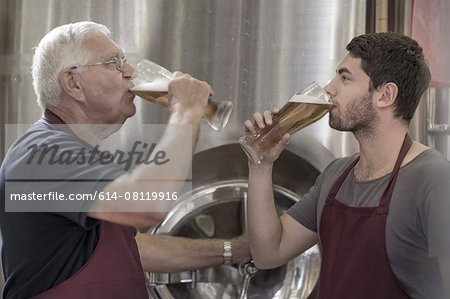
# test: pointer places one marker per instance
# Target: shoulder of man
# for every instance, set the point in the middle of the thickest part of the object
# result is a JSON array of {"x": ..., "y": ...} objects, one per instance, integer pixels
[
  {"x": 431, "y": 164},
  {"x": 338, "y": 166}
]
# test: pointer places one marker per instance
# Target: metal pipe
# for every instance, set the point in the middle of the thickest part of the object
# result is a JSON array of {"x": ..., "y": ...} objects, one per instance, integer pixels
[
  {"x": 437, "y": 100},
  {"x": 381, "y": 20}
]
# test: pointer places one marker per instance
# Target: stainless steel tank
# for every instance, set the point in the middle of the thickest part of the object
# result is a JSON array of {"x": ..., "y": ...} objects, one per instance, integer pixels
[{"x": 253, "y": 53}]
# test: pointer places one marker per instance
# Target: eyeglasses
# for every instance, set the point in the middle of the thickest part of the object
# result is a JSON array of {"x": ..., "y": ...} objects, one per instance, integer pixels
[{"x": 119, "y": 62}]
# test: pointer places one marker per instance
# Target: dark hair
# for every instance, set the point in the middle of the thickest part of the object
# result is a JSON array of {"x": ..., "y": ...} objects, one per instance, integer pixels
[{"x": 392, "y": 57}]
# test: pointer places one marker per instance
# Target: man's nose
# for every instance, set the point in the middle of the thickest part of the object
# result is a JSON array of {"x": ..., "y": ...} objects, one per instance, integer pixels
[
  {"x": 128, "y": 71},
  {"x": 329, "y": 89}
]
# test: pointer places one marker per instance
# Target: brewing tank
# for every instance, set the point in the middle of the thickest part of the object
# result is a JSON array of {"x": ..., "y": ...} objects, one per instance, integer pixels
[{"x": 256, "y": 54}]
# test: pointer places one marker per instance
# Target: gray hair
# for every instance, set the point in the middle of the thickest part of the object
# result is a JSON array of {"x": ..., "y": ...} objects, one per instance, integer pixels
[{"x": 59, "y": 49}]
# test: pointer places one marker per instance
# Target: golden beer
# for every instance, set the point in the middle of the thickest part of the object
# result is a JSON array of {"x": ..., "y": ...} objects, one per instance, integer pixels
[
  {"x": 157, "y": 92},
  {"x": 304, "y": 108},
  {"x": 291, "y": 118}
]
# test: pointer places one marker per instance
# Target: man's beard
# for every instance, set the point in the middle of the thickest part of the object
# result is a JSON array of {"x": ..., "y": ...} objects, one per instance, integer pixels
[{"x": 359, "y": 116}]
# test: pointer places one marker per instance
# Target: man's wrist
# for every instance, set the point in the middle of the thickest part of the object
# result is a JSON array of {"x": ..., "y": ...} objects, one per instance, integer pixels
[
  {"x": 263, "y": 167},
  {"x": 227, "y": 252}
]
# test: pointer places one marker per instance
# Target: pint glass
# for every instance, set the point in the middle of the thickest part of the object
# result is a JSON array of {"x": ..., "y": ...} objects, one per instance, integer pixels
[
  {"x": 152, "y": 84},
  {"x": 305, "y": 107}
]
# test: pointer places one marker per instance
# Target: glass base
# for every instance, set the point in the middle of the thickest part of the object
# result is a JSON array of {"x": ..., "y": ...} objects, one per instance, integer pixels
[
  {"x": 250, "y": 149},
  {"x": 222, "y": 116}
]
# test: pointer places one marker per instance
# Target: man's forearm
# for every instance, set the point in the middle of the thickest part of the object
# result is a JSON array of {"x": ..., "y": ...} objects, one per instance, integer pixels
[
  {"x": 264, "y": 226},
  {"x": 148, "y": 191},
  {"x": 161, "y": 253},
  {"x": 187, "y": 118}
]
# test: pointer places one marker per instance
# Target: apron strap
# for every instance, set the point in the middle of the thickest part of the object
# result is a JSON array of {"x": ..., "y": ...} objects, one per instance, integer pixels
[
  {"x": 387, "y": 194},
  {"x": 56, "y": 120},
  {"x": 52, "y": 118}
]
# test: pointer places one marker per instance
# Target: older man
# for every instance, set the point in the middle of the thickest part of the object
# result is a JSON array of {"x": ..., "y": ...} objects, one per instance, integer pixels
[{"x": 82, "y": 82}]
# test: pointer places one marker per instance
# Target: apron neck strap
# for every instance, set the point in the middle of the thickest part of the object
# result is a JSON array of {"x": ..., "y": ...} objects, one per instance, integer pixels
[
  {"x": 52, "y": 118},
  {"x": 56, "y": 120},
  {"x": 387, "y": 194}
]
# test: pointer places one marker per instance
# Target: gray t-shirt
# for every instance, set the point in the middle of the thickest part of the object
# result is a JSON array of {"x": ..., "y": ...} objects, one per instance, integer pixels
[{"x": 418, "y": 223}]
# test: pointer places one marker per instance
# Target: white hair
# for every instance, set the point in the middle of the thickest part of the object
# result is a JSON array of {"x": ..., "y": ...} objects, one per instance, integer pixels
[{"x": 59, "y": 49}]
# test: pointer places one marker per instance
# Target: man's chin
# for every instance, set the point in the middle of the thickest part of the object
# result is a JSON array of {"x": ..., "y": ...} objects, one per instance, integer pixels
[
  {"x": 131, "y": 112},
  {"x": 134, "y": 112},
  {"x": 335, "y": 126}
]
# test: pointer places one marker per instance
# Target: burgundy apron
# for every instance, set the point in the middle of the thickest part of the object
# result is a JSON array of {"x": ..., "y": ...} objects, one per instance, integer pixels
[
  {"x": 354, "y": 256},
  {"x": 113, "y": 271}
]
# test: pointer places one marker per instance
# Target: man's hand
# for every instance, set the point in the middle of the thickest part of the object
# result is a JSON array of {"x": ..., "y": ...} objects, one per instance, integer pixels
[
  {"x": 187, "y": 94},
  {"x": 261, "y": 121}
]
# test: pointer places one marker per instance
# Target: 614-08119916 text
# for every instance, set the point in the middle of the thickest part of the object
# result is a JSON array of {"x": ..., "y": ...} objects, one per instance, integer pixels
[{"x": 138, "y": 196}]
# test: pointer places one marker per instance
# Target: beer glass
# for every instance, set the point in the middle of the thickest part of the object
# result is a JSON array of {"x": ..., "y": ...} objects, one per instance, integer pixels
[
  {"x": 305, "y": 107},
  {"x": 152, "y": 84}
]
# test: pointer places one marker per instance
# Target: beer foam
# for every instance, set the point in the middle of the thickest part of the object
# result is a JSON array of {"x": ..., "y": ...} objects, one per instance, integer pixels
[
  {"x": 301, "y": 98},
  {"x": 156, "y": 85}
]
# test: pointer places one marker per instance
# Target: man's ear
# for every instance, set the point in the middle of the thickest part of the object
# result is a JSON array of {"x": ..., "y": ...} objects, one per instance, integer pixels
[
  {"x": 387, "y": 95},
  {"x": 71, "y": 84}
]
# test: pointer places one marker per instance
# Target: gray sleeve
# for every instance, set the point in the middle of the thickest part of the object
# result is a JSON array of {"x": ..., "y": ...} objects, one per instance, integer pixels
[
  {"x": 437, "y": 219},
  {"x": 305, "y": 210},
  {"x": 308, "y": 209}
]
